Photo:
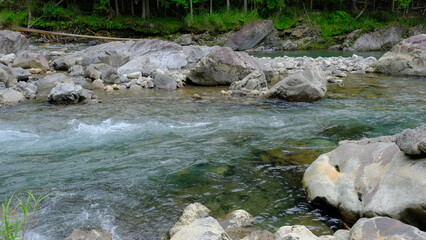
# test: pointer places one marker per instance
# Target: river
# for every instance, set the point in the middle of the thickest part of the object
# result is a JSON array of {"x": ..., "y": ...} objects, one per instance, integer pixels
[{"x": 133, "y": 162}]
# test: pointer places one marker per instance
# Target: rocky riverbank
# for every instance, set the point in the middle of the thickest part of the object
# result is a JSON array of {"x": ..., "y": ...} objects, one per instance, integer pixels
[{"x": 157, "y": 64}]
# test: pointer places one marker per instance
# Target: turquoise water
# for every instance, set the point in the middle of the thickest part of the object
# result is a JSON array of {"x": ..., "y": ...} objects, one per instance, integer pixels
[
  {"x": 316, "y": 53},
  {"x": 133, "y": 162}
]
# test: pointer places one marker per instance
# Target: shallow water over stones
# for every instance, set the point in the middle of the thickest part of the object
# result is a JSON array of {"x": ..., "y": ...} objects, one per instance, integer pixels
[{"x": 132, "y": 163}]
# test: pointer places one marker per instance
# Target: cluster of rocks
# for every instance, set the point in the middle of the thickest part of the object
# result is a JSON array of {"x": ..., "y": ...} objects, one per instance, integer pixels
[
  {"x": 195, "y": 224},
  {"x": 382, "y": 176}
]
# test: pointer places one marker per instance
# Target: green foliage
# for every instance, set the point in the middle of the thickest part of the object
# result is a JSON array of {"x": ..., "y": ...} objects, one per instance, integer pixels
[
  {"x": 221, "y": 21},
  {"x": 403, "y": 3},
  {"x": 15, "y": 215},
  {"x": 8, "y": 18}
]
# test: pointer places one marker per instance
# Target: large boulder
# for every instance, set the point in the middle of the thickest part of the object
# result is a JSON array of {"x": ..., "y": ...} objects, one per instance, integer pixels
[
  {"x": 206, "y": 228},
  {"x": 68, "y": 93},
  {"x": 10, "y": 96},
  {"x": 375, "y": 179},
  {"x": 6, "y": 76},
  {"x": 250, "y": 35},
  {"x": 238, "y": 223},
  {"x": 406, "y": 58},
  {"x": 304, "y": 86},
  {"x": 412, "y": 141},
  {"x": 136, "y": 56},
  {"x": 12, "y": 42},
  {"x": 89, "y": 234},
  {"x": 27, "y": 59},
  {"x": 381, "y": 39},
  {"x": 384, "y": 228},
  {"x": 223, "y": 66}
]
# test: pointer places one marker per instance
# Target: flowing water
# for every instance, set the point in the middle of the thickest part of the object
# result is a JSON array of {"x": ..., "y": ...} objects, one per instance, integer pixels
[{"x": 132, "y": 163}]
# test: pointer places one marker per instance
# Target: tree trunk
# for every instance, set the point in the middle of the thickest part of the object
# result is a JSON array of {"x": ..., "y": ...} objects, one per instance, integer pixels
[
  {"x": 245, "y": 6},
  {"x": 148, "y": 13},
  {"x": 312, "y": 4},
  {"x": 158, "y": 4},
  {"x": 211, "y": 6},
  {"x": 132, "y": 9},
  {"x": 228, "y": 5},
  {"x": 143, "y": 9},
  {"x": 192, "y": 10},
  {"x": 29, "y": 14},
  {"x": 117, "y": 12}
]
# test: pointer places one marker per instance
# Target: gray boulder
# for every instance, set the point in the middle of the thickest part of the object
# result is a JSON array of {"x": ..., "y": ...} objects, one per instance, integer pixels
[
  {"x": 12, "y": 42},
  {"x": 164, "y": 81},
  {"x": 223, "y": 66},
  {"x": 206, "y": 228},
  {"x": 9, "y": 96},
  {"x": 89, "y": 234},
  {"x": 304, "y": 86},
  {"x": 406, "y": 58},
  {"x": 412, "y": 141},
  {"x": 382, "y": 39},
  {"x": 384, "y": 228},
  {"x": 27, "y": 59},
  {"x": 250, "y": 35},
  {"x": 28, "y": 89},
  {"x": 68, "y": 93},
  {"x": 375, "y": 179},
  {"x": 6, "y": 76},
  {"x": 76, "y": 71},
  {"x": 254, "y": 81},
  {"x": 21, "y": 74},
  {"x": 184, "y": 40},
  {"x": 102, "y": 71}
]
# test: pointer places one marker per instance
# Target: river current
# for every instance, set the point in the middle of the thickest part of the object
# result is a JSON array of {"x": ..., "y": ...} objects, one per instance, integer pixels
[{"x": 133, "y": 162}]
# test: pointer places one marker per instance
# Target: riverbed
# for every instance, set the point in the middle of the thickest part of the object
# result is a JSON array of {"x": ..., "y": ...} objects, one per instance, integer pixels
[{"x": 133, "y": 162}]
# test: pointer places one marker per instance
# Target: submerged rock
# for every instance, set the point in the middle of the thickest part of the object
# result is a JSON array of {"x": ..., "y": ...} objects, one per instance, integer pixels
[
  {"x": 89, "y": 234},
  {"x": 367, "y": 180},
  {"x": 250, "y": 35},
  {"x": 406, "y": 58},
  {"x": 69, "y": 93},
  {"x": 12, "y": 42},
  {"x": 305, "y": 86}
]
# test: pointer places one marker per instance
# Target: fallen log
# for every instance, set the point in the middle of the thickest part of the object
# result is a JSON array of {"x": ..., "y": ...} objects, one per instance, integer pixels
[{"x": 30, "y": 30}]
